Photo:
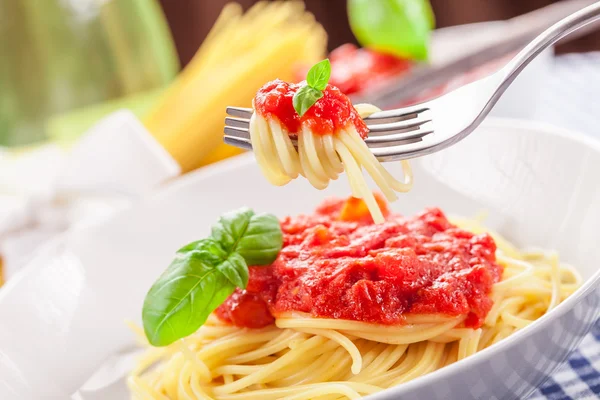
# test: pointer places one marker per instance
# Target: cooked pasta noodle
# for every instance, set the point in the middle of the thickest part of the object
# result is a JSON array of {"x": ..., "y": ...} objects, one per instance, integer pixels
[
  {"x": 321, "y": 158},
  {"x": 305, "y": 358}
]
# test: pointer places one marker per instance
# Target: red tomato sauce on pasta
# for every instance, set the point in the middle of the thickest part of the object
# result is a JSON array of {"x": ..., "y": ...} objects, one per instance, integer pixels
[
  {"x": 330, "y": 114},
  {"x": 336, "y": 263}
]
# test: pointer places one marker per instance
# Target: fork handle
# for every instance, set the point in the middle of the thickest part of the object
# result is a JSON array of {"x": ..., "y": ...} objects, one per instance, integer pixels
[{"x": 546, "y": 39}]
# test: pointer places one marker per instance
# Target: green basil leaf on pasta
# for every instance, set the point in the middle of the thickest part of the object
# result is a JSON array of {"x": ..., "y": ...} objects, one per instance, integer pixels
[
  {"x": 199, "y": 279},
  {"x": 204, "y": 273},
  {"x": 231, "y": 226},
  {"x": 256, "y": 237},
  {"x": 262, "y": 241},
  {"x": 235, "y": 269},
  {"x": 399, "y": 27},
  {"x": 318, "y": 75},
  {"x": 305, "y": 98}
]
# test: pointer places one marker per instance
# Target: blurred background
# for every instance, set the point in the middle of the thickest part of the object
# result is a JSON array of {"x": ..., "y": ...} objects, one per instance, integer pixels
[
  {"x": 61, "y": 56},
  {"x": 190, "y": 20},
  {"x": 102, "y": 101}
]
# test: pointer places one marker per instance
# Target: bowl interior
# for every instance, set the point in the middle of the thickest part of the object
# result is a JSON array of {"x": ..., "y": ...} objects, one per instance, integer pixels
[{"x": 538, "y": 185}]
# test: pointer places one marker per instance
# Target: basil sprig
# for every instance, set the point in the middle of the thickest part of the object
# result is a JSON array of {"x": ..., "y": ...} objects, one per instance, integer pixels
[
  {"x": 399, "y": 27},
  {"x": 204, "y": 273},
  {"x": 316, "y": 82}
]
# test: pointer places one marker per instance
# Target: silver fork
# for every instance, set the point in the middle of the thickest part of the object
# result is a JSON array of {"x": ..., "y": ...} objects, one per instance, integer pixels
[{"x": 439, "y": 123}]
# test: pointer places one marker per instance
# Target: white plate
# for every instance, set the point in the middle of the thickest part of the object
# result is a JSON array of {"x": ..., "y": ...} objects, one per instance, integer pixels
[{"x": 63, "y": 315}]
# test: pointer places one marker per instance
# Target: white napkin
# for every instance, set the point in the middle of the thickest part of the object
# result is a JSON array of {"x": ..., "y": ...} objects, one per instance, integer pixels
[{"x": 46, "y": 191}]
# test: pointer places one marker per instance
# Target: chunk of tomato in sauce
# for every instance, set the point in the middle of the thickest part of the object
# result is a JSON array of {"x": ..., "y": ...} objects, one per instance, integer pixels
[
  {"x": 246, "y": 310},
  {"x": 356, "y": 209}
]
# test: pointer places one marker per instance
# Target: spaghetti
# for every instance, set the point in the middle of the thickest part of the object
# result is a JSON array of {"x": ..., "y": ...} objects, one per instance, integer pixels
[
  {"x": 329, "y": 140},
  {"x": 306, "y": 355},
  {"x": 241, "y": 52}
]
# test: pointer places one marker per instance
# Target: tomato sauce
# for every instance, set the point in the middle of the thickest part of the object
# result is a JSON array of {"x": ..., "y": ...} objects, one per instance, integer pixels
[
  {"x": 352, "y": 269},
  {"x": 357, "y": 70},
  {"x": 328, "y": 115}
]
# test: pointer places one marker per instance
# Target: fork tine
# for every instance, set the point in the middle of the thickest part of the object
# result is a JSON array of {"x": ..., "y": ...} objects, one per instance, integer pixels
[
  {"x": 380, "y": 153},
  {"x": 381, "y": 117},
  {"x": 242, "y": 115},
  {"x": 388, "y": 130},
  {"x": 237, "y": 122},
  {"x": 375, "y": 147},
  {"x": 245, "y": 142},
  {"x": 237, "y": 132},
  {"x": 238, "y": 142},
  {"x": 402, "y": 114},
  {"x": 403, "y": 151},
  {"x": 241, "y": 112},
  {"x": 244, "y": 134},
  {"x": 378, "y": 129},
  {"x": 397, "y": 127},
  {"x": 400, "y": 137},
  {"x": 394, "y": 135}
]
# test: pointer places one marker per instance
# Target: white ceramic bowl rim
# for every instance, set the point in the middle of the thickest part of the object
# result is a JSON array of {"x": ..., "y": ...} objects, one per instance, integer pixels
[{"x": 543, "y": 321}]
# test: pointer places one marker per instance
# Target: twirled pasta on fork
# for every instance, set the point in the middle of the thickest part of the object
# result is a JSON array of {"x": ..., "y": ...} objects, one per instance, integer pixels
[{"x": 312, "y": 129}]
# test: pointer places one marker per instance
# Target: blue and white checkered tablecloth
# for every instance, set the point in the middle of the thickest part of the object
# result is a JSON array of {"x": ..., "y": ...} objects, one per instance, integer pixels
[
  {"x": 579, "y": 377},
  {"x": 571, "y": 100}
]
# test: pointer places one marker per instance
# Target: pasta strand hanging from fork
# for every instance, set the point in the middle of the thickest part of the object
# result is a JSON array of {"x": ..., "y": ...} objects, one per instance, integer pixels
[{"x": 325, "y": 141}]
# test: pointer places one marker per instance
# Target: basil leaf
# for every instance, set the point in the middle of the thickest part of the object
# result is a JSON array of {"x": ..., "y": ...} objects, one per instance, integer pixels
[
  {"x": 262, "y": 241},
  {"x": 204, "y": 273},
  {"x": 400, "y": 27},
  {"x": 231, "y": 264},
  {"x": 318, "y": 75},
  {"x": 231, "y": 227},
  {"x": 305, "y": 98},
  {"x": 256, "y": 237},
  {"x": 208, "y": 249},
  {"x": 199, "y": 279},
  {"x": 235, "y": 269}
]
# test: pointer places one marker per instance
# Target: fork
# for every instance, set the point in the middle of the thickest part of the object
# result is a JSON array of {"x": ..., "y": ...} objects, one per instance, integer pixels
[{"x": 434, "y": 125}]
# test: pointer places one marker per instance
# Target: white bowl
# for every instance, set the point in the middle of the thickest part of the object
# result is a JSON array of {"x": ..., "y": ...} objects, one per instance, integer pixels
[{"x": 63, "y": 315}]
